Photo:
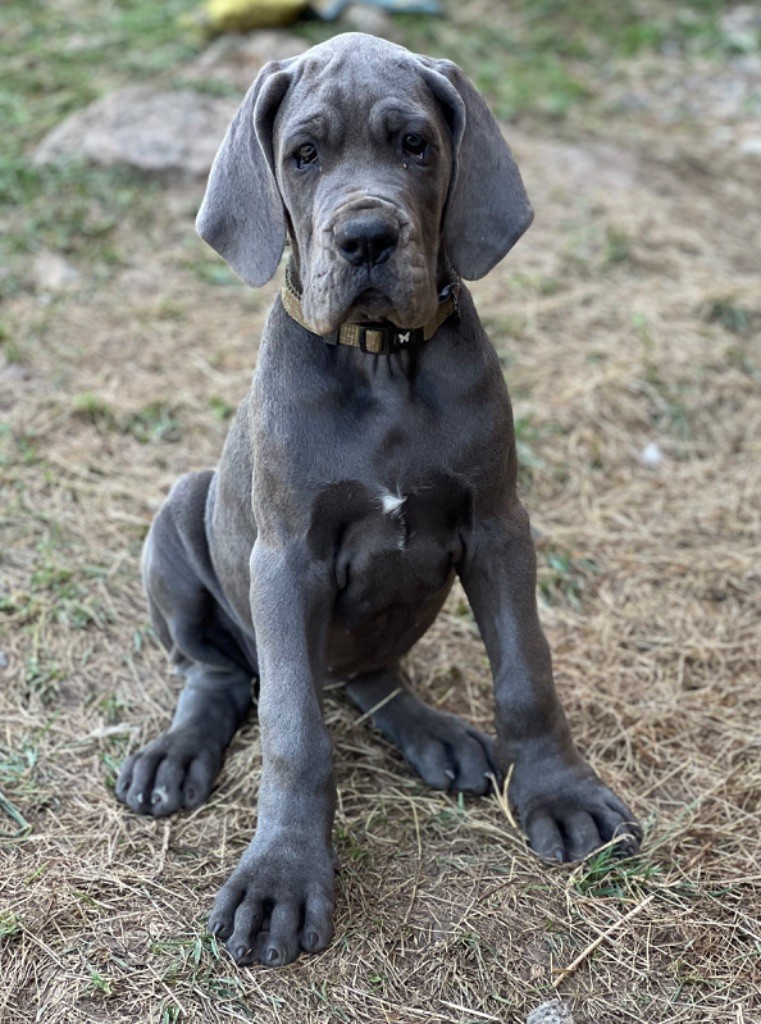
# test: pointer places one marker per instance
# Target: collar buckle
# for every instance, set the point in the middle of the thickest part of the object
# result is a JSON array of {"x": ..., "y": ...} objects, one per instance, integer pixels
[
  {"x": 383, "y": 339},
  {"x": 379, "y": 342}
]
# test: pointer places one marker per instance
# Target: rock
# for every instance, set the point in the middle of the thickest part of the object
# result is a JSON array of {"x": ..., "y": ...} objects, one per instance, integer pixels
[
  {"x": 751, "y": 147},
  {"x": 237, "y": 59},
  {"x": 552, "y": 1012},
  {"x": 53, "y": 273},
  {"x": 168, "y": 133},
  {"x": 741, "y": 27},
  {"x": 363, "y": 18}
]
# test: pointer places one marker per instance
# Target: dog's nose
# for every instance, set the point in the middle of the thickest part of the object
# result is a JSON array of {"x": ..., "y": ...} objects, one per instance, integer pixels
[{"x": 367, "y": 241}]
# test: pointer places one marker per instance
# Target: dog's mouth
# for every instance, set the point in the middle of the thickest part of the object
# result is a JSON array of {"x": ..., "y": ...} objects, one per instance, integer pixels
[
  {"x": 400, "y": 291},
  {"x": 370, "y": 304}
]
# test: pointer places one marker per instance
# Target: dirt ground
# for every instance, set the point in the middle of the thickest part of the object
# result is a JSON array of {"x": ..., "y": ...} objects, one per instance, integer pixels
[{"x": 629, "y": 323}]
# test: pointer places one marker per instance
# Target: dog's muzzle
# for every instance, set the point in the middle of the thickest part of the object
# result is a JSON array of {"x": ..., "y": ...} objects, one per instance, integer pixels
[{"x": 367, "y": 239}]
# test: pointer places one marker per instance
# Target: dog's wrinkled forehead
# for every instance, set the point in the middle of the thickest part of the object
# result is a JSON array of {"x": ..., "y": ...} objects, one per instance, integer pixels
[
  {"x": 339, "y": 89},
  {"x": 357, "y": 61},
  {"x": 363, "y": 60}
]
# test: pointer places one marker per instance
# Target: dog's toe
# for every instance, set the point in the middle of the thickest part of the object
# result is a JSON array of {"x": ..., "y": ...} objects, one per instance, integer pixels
[
  {"x": 175, "y": 770},
  {"x": 448, "y": 754},
  {"x": 570, "y": 814},
  {"x": 273, "y": 906}
]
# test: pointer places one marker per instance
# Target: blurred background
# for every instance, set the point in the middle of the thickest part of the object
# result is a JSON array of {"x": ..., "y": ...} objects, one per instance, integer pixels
[{"x": 628, "y": 322}]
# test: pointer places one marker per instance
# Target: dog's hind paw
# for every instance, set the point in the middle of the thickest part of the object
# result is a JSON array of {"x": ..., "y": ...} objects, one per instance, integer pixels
[
  {"x": 447, "y": 753},
  {"x": 175, "y": 771}
]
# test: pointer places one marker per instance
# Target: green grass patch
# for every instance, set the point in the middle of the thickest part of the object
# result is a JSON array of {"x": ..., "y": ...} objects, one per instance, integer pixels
[
  {"x": 605, "y": 876},
  {"x": 155, "y": 422},
  {"x": 10, "y": 925},
  {"x": 534, "y": 57},
  {"x": 56, "y": 58},
  {"x": 564, "y": 576},
  {"x": 732, "y": 315},
  {"x": 72, "y": 209}
]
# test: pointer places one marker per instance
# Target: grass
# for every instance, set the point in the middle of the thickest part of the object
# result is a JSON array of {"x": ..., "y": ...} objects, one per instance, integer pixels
[
  {"x": 563, "y": 577},
  {"x": 535, "y": 60},
  {"x": 56, "y": 59},
  {"x": 628, "y": 315},
  {"x": 538, "y": 57}
]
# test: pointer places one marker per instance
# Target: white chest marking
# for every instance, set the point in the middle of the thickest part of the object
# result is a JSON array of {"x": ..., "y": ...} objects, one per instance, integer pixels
[{"x": 393, "y": 505}]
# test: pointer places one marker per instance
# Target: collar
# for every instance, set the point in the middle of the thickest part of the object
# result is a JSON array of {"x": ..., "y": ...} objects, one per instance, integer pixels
[{"x": 377, "y": 338}]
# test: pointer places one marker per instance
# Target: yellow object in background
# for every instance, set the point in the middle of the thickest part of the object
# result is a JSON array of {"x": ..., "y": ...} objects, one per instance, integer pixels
[{"x": 243, "y": 15}]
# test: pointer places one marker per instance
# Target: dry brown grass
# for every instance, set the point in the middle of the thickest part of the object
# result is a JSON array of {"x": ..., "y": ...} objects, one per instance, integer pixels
[{"x": 628, "y": 316}]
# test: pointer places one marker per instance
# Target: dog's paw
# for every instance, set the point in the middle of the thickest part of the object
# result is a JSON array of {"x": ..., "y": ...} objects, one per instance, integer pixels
[
  {"x": 174, "y": 771},
  {"x": 449, "y": 754},
  {"x": 568, "y": 813},
  {"x": 274, "y": 905}
]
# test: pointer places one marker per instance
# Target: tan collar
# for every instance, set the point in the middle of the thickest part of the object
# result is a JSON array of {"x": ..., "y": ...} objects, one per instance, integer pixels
[{"x": 376, "y": 338}]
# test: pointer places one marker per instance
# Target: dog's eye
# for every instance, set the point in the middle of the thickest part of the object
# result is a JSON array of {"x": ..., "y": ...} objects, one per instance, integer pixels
[
  {"x": 414, "y": 145},
  {"x": 306, "y": 154}
]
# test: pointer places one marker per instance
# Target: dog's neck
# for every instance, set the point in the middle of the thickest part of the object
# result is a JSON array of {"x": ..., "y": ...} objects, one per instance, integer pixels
[{"x": 376, "y": 338}]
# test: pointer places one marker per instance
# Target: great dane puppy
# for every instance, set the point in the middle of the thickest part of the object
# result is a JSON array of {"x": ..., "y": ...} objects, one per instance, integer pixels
[{"x": 372, "y": 460}]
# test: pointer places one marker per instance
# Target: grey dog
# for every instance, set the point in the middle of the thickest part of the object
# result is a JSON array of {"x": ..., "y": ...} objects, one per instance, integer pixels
[{"x": 372, "y": 460}]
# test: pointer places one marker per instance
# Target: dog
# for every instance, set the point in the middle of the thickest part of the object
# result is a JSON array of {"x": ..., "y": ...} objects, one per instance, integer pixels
[{"x": 371, "y": 462}]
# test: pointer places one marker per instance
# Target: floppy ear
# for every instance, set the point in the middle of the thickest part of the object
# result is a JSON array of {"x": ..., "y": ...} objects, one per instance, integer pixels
[
  {"x": 487, "y": 209},
  {"x": 242, "y": 214}
]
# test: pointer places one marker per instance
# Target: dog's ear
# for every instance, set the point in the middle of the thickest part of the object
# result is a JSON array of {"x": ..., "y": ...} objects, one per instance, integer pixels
[
  {"x": 242, "y": 214},
  {"x": 487, "y": 208}
]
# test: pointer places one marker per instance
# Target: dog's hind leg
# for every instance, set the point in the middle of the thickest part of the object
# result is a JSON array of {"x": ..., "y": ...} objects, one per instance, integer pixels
[
  {"x": 445, "y": 751},
  {"x": 177, "y": 769}
]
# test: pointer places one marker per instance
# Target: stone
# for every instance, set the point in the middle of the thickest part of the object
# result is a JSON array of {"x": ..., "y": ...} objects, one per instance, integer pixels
[
  {"x": 361, "y": 17},
  {"x": 552, "y": 1012},
  {"x": 53, "y": 273},
  {"x": 652, "y": 454},
  {"x": 163, "y": 133},
  {"x": 741, "y": 27},
  {"x": 237, "y": 59}
]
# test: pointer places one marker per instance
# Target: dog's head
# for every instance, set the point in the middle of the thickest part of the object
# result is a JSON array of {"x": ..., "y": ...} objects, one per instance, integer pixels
[{"x": 383, "y": 167}]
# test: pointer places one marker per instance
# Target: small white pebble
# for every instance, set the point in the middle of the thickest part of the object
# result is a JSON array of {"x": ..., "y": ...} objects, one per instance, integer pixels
[{"x": 651, "y": 454}]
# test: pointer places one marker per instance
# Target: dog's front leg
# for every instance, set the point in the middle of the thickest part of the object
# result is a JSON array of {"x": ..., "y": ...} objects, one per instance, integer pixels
[
  {"x": 565, "y": 809},
  {"x": 280, "y": 897}
]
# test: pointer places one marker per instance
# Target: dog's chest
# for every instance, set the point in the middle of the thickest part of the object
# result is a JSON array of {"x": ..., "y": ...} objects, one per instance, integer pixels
[{"x": 393, "y": 549}]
